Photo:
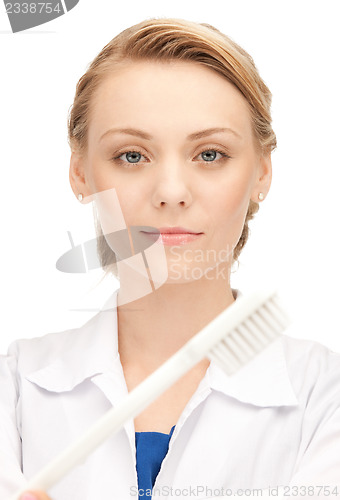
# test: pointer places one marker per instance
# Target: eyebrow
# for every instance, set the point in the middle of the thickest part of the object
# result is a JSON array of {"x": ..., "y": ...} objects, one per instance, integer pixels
[
  {"x": 191, "y": 137},
  {"x": 210, "y": 131}
]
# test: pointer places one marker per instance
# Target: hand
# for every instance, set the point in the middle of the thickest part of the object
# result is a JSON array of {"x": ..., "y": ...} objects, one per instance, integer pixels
[{"x": 35, "y": 495}]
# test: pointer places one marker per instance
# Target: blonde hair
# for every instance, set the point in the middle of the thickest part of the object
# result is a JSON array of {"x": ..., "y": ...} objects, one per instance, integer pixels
[{"x": 167, "y": 39}]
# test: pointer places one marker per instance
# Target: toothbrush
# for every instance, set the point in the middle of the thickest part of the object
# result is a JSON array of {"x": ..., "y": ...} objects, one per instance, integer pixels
[{"x": 231, "y": 340}]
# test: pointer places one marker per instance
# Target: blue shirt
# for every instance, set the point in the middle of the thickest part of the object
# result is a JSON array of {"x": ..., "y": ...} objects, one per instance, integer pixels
[{"x": 151, "y": 448}]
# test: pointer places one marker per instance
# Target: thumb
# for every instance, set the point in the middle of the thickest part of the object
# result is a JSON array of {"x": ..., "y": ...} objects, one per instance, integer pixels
[{"x": 35, "y": 495}]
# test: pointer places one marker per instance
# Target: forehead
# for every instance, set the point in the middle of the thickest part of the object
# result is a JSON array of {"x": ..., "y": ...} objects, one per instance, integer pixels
[{"x": 173, "y": 96}]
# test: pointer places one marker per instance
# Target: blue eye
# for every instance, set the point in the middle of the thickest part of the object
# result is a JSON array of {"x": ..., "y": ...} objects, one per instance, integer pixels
[
  {"x": 209, "y": 155},
  {"x": 132, "y": 156}
]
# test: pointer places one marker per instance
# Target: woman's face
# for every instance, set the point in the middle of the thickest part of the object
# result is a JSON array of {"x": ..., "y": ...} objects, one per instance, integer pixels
[{"x": 175, "y": 141}]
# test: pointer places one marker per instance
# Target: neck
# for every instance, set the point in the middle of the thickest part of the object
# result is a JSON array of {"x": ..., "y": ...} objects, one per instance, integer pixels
[{"x": 156, "y": 325}]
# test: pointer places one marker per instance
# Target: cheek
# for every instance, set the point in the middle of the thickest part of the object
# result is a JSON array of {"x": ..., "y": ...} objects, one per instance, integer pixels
[
  {"x": 117, "y": 201},
  {"x": 132, "y": 198},
  {"x": 129, "y": 194},
  {"x": 228, "y": 212},
  {"x": 100, "y": 176}
]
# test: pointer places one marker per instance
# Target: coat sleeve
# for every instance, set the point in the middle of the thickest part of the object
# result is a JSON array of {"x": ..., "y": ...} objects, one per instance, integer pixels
[
  {"x": 11, "y": 476},
  {"x": 317, "y": 469}
]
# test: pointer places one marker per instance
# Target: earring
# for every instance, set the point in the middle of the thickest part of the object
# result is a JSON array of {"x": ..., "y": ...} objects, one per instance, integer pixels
[
  {"x": 261, "y": 196},
  {"x": 80, "y": 197}
]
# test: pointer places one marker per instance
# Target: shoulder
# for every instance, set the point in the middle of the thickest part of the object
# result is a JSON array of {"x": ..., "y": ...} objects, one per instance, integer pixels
[
  {"x": 37, "y": 352},
  {"x": 302, "y": 355},
  {"x": 314, "y": 372}
]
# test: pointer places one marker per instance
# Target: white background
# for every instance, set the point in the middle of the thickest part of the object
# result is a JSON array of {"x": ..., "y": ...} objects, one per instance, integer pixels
[{"x": 294, "y": 243}]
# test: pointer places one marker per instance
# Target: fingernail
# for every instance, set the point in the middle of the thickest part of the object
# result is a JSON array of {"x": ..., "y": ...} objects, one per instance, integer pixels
[{"x": 28, "y": 496}]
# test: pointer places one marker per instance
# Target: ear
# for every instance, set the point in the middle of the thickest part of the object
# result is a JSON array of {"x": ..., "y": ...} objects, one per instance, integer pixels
[
  {"x": 77, "y": 176},
  {"x": 263, "y": 177}
]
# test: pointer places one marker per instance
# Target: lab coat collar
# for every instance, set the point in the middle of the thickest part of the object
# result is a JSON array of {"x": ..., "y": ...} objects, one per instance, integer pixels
[
  {"x": 81, "y": 353},
  {"x": 264, "y": 381},
  {"x": 93, "y": 349}
]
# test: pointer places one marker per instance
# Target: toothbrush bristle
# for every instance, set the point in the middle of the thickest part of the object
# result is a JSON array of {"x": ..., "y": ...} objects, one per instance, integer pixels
[{"x": 251, "y": 336}]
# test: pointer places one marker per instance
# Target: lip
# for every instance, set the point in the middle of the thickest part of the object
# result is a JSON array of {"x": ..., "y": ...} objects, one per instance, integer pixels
[
  {"x": 176, "y": 235},
  {"x": 174, "y": 230}
]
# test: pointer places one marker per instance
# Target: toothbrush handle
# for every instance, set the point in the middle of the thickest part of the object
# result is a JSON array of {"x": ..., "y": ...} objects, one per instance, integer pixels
[{"x": 112, "y": 421}]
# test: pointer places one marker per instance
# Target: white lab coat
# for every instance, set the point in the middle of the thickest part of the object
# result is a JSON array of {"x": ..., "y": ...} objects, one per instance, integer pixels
[{"x": 275, "y": 422}]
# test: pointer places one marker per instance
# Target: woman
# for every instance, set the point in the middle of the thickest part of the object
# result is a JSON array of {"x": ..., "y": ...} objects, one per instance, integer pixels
[{"x": 171, "y": 134}]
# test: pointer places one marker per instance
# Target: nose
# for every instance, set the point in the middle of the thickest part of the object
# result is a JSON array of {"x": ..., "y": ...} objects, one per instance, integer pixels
[{"x": 171, "y": 187}]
